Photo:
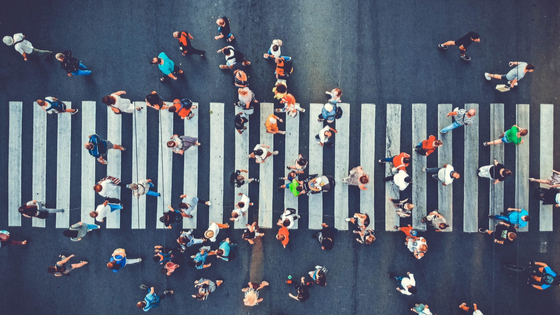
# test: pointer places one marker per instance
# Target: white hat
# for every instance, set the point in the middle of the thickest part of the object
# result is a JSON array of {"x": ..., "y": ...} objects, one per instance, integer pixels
[
  {"x": 8, "y": 40},
  {"x": 328, "y": 107},
  {"x": 272, "y": 120}
]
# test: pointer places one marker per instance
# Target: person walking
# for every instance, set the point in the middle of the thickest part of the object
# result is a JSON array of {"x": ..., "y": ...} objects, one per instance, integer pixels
[
  {"x": 162, "y": 255},
  {"x": 246, "y": 100},
  {"x": 290, "y": 177},
  {"x": 271, "y": 125},
  {"x": 553, "y": 182},
  {"x": 71, "y": 64},
  {"x": 517, "y": 217},
  {"x": 180, "y": 144},
  {"x": 401, "y": 179},
  {"x": 240, "y": 120},
  {"x": 302, "y": 289},
  {"x": 142, "y": 188},
  {"x": 108, "y": 188},
  {"x": 275, "y": 51},
  {"x": 463, "y": 43},
  {"x": 366, "y": 237},
  {"x": 118, "y": 104},
  {"x": 186, "y": 240},
  {"x": 24, "y": 47},
  {"x": 436, "y": 221},
  {"x": 504, "y": 233},
  {"x": 326, "y": 136},
  {"x": 241, "y": 207},
  {"x": 461, "y": 117},
  {"x": 198, "y": 260},
  {"x": 213, "y": 230},
  {"x": 103, "y": 210},
  {"x": 251, "y": 233},
  {"x": 36, "y": 209},
  {"x": 358, "y": 177},
  {"x": 514, "y": 75},
  {"x": 261, "y": 153},
  {"x": 251, "y": 296},
  {"x": 205, "y": 287},
  {"x": 119, "y": 260},
  {"x": 240, "y": 79},
  {"x": 326, "y": 236},
  {"x": 78, "y": 230},
  {"x": 512, "y": 135},
  {"x": 421, "y": 309},
  {"x": 63, "y": 268},
  {"x": 288, "y": 218},
  {"x": 335, "y": 95},
  {"x": 52, "y": 105},
  {"x": 232, "y": 57},
  {"x": 548, "y": 196},
  {"x": 152, "y": 299},
  {"x": 183, "y": 108},
  {"x": 284, "y": 67},
  {"x": 239, "y": 180},
  {"x": 407, "y": 284},
  {"x": 328, "y": 113},
  {"x": 404, "y": 207},
  {"x": 299, "y": 165},
  {"x": 6, "y": 241},
  {"x": 465, "y": 308},
  {"x": 167, "y": 67},
  {"x": 224, "y": 30},
  {"x": 445, "y": 174},
  {"x": 360, "y": 220},
  {"x": 185, "y": 45},
  {"x": 225, "y": 251},
  {"x": 189, "y": 203},
  {"x": 319, "y": 275},
  {"x": 497, "y": 171},
  {"x": 283, "y": 236},
  {"x": 428, "y": 146},
  {"x": 172, "y": 216},
  {"x": 400, "y": 161},
  {"x": 154, "y": 101},
  {"x": 291, "y": 108},
  {"x": 98, "y": 147}
]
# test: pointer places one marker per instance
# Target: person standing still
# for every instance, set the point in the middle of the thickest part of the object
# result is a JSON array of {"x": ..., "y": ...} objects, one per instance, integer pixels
[
  {"x": 463, "y": 43},
  {"x": 24, "y": 47}
]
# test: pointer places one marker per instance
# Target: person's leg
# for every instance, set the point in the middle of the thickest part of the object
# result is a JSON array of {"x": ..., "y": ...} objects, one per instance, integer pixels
[
  {"x": 51, "y": 210},
  {"x": 195, "y": 51},
  {"x": 118, "y": 147},
  {"x": 92, "y": 227},
  {"x": 501, "y": 217},
  {"x": 115, "y": 207},
  {"x": 130, "y": 261},
  {"x": 388, "y": 178},
  {"x": 419, "y": 145},
  {"x": 432, "y": 170},
  {"x": 448, "y": 43},
  {"x": 152, "y": 193},
  {"x": 388, "y": 159},
  {"x": 82, "y": 66},
  {"x": 79, "y": 265},
  {"x": 451, "y": 127}
]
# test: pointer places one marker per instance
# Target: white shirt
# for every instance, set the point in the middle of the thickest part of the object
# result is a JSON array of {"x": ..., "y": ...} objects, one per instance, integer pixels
[
  {"x": 247, "y": 98},
  {"x": 399, "y": 180},
  {"x": 444, "y": 174},
  {"x": 109, "y": 190},
  {"x": 277, "y": 53},
  {"x": 405, "y": 282},
  {"x": 23, "y": 47},
  {"x": 286, "y": 215},
  {"x": 214, "y": 228},
  {"x": 102, "y": 212},
  {"x": 246, "y": 201},
  {"x": 123, "y": 104},
  {"x": 230, "y": 59},
  {"x": 47, "y": 105},
  {"x": 261, "y": 157},
  {"x": 322, "y": 138}
]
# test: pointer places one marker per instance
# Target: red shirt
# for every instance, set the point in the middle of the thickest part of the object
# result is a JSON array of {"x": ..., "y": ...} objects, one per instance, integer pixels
[
  {"x": 398, "y": 161},
  {"x": 428, "y": 145}
]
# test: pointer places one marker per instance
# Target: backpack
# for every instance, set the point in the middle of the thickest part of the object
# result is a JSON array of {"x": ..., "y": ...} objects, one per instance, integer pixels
[{"x": 338, "y": 113}]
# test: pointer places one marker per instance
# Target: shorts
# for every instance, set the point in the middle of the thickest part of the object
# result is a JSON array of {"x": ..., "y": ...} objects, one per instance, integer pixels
[
  {"x": 110, "y": 144},
  {"x": 504, "y": 77},
  {"x": 505, "y": 140}
]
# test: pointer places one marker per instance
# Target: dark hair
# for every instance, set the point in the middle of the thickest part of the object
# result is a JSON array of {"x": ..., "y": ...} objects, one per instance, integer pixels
[
  {"x": 475, "y": 35},
  {"x": 364, "y": 179},
  {"x": 527, "y": 218},
  {"x": 219, "y": 251},
  {"x": 301, "y": 161},
  {"x": 530, "y": 67},
  {"x": 408, "y": 179},
  {"x": 258, "y": 152},
  {"x": 286, "y": 223},
  {"x": 241, "y": 204},
  {"x": 157, "y": 258},
  {"x": 246, "y": 235},
  {"x": 524, "y": 132},
  {"x": 438, "y": 142},
  {"x": 406, "y": 160},
  {"x": 234, "y": 214},
  {"x": 281, "y": 88},
  {"x": 155, "y": 63},
  {"x": 513, "y": 235},
  {"x": 443, "y": 226},
  {"x": 183, "y": 205},
  {"x": 172, "y": 109},
  {"x": 52, "y": 269},
  {"x": 507, "y": 173},
  {"x": 200, "y": 296},
  {"x": 162, "y": 219},
  {"x": 299, "y": 188},
  {"x": 321, "y": 280},
  {"x": 141, "y": 304},
  {"x": 293, "y": 173},
  {"x": 412, "y": 289},
  {"x": 21, "y": 209},
  {"x": 70, "y": 233},
  {"x": 226, "y": 51},
  {"x": 108, "y": 100},
  {"x": 274, "y": 47}
]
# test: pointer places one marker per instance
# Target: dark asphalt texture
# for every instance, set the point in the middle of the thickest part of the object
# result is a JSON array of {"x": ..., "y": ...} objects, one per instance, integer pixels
[{"x": 376, "y": 51}]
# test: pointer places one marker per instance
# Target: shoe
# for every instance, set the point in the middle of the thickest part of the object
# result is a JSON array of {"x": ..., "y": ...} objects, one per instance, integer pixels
[
  {"x": 168, "y": 292},
  {"x": 347, "y": 219},
  {"x": 143, "y": 286},
  {"x": 123, "y": 149},
  {"x": 380, "y": 161},
  {"x": 481, "y": 230},
  {"x": 256, "y": 180},
  {"x": 423, "y": 169},
  {"x": 209, "y": 203},
  {"x": 318, "y": 267},
  {"x": 303, "y": 110},
  {"x": 487, "y": 76},
  {"x": 465, "y": 57},
  {"x": 280, "y": 178},
  {"x": 485, "y": 144},
  {"x": 396, "y": 227},
  {"x": 492, "y": 216},
  {"x": 75, "y": 112},
  {"x": 440, "y": 46}
]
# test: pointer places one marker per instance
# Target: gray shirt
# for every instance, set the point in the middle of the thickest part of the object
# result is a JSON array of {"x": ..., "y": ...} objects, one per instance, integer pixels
[
  {"x": 82, "y": 231},
  {"x": 517, "y": 72}
]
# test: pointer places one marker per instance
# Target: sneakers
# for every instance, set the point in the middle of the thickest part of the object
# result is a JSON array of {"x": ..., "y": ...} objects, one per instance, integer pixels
[
  {"x": 423, "y": 169},
  {"x": 302, "y": 110},
  {"x": 380, "y": 161},
  {"x": 440, "y": 46},
  {"x": 168, "y": 292},
  {"x": 143, "y": 287},
  {"x": 123, "y": 148},
  {"x": 256, "y": 180},
  {"x": 75, "y": 112},
  {"x": 465, "y": 57},
  {"x": 481, "y": 230},
  {"x": 492, "y": 216},
  {"x": 485, "y": 144},
  {"x": 347, "y": 219},
  {"x": 280, "y": 178},
  {"x": 487, "y": 76}
]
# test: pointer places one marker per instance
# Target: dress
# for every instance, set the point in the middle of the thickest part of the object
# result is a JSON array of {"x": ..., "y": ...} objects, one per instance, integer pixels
[{"x": 355, "y": 174}]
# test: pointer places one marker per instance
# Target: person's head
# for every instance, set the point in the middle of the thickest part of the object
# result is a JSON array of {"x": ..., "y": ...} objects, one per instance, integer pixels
[
  {"x": 141, "y": 304},
  {"x": 111, "y": 265},
  {"x": 170, "y": 144},
  {"x": 512, "y": 236},
  {"x": 234, "y": 215},
  {"x": 507, "y": 173},
  {"x": 176, "y": 34},
  {"x": 413, "y": 232},
  {"x": 272, "y": 120},
  {"x": 423, "y": 248},
  {"x": 133, "y": 186},
  {"x": 523, "y": 132},
  {"x": 369, "y": 239},
  {"x": 220, "y": 22},
  {"x": 286, "y": 223},
  {"x": 328, "y": 133},
  {"x": 280, "y": 237},
  {"x": 438, "y": 143},
  {"x": 70, "y": 233},
  {"x": 200, "y": 296},
  {"x": 281, "y": 88},
  {"x": 299, "y": 188},
  {"x": 471, "y": 112},
  {"x": 530, "y": 68},
  {"x": 409, "y": 206},
  {"x": 406, "y": 160},
  {"x": 364, "y": 179},
  {"x": 52, "y": 269},
  {"x": 329, "y": 107},
  {"x": 292, "y": 174},
  {"x": 40, "y": 102},
  {"x": 208, "y": 234},
  {"x": 412, "y": 289},
  {"x": 275, "y": 47},
  {"x": 8, "y": 40},
  {"x": 241, "y": 204},
  {"x": 321, "y": 280},
  {"x": 525, "y": 218},
  {"x": 97, "y": 188},
  {"x": 182, "y": 240},
  {"x": 93, "y": 214},
  {"x": 246, "y": 235},
  {"x": 456, "y": 175},
  {"x": 226, "y": 51},
  {"x": 219, "y": 252},
  {"x": 59, "y": 57},
  {"x": 301, "y": 161},
  {"x": 337, "y": 92},
  {"x": 279, "y": 61},
  {"x": 183, "y": 205},
  {"x": 155, "y": 61},
  {"x": 157, "y": 257},
  {"x": 408, "y": 179},
  {"x": 162, "y": 219},
  {"x": 172, "y": 109},
  {"x": 443, "y": 226},
  {"x": 258, "y": 152},
  {"x": 88, "y": 145},
  {"x": 475, "y": 37},
  {"x": 21, "y": 209},
  {"x": 108, "y": 100}
]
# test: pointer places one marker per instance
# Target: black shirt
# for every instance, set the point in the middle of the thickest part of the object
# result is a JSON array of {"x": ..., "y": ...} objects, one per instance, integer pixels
[
  {"x": 501, "y": 233},
  {"x": 225, "y": 29},
  {"x": 171, "y": 217},
  {"x": 465, "y": 41},
  {"x": 154, "y": 100},
  {"x": 328, "y": 238},
  {"x": 248, "y": 235},
  {"x": 238, "y": 182},
  {"x": 70, "y": 64},
  {"x": 240, "y": 122},
  {"x": 302, "y": 292},
  {"x": 495, "y": 172}
]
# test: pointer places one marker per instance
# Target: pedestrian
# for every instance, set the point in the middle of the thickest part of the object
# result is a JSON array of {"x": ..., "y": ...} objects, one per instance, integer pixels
[
  {"x": 154, "y": 101},
  {"x": 445, "y": 174},
  {"x": 514, "y": 75},
  {"x": 400, "y": 161},
  {"x": 283, "y": 236},
  {"x": 280, "y": 89},
  {"x": 271, "y": 125},
  {"x": 358, "y": 177},
  {"x": 232, "y": 57},
  {"x": 6, "y": 241},
  {"x": 51, "y": 105},
  {"x": 213, "y": 230},
  {"x": 108, "y": 188},
  {"x": 290, "y": 177},
  {"x": 240, "y": 120},
  {"x": 360, "y": 220},
  {"x": 463, "y": 43},
  {"x": 180, "y": 144},
  {"x": 436, "y": 221},
  {"x": 512, "y": 135},
  {"x": 205, "y": 287},
  {"x": 319, "y": 275},
  {"x": 288, "y": 218},
  {"x": 78, "y": 230},
  {"x": 548, "y": 196},
  {"x": 63, "y": 268},
  {"x": 299, "y": 165},
  {"x": 142, "y": 188},
  {"x": 103, "y": 210},
  {"x": 553, "y": 182},
  {"x": 296, "y": 187},
  {"x": 401, "y": 179},
  {"x": 239, "y": 180},
  {"x": 326, "y": 136},
  {"x": 169, "y": 268},
  {"x": 302, "y": 289},
  {"x": 166, "y": 66},
  {"x": 328, "y": 113},
  {"x": 186, "y": 240},
  {"x": 251, "y": 297},
  {"x": 246, "y": 101},
  {"x": 261, "y": 153},
  {"x": 365, "y": 237},
  {"x": 185, "y": 46},
  {"x": 98, "y": 147},
  {"x": 275, "y": 50},
  {"x": 118, "y": 260},
  {"x": 335, "y": 95},
  {"x": 24, "y": 47},
  {"x": 421, "y": 309},
  {"x": 251, "y": 233},
  {"x": 504, "y": 233},
  {"x": 152, "y": 299},
  {"x": 118, "y": 104},
  {"x": 36, "y": 209},
  {"x": 200, "y": 258},
  {"x": 224, "y": 30},
  {"x": 284, "y": 67},
  {"x": 417, "y": 245},
  {"x": 408, "y": 231},
  {"x": 183, "y": 108},
  {"x": 404, "y": 207},
  {"x": 291, "y": 108},
  {"x": 71, "y": 64},
  {"x": 189, "y": 203},
  {"x": 241, "y": 207},
  {"x": 172, "y": 216},
  {"x": 517, "y": 217},
  {"x": 326, "y": 236},
  {"x": 407, "y": 284},
  {"x": 162, "y": 255},
  {"x": 428, "y": 146},
  {"x": 465, "y": 308},
  {"x": 497, "y": 171},
  {"x": 461, "y": 117},
  {"x": 225, "y": 251},
  {"x": 240, "y": 79},
  {"x": 542, "y": 276}
]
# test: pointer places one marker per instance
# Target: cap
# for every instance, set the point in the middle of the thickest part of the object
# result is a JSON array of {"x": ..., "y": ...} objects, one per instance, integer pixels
[
  {"x": 328, "y": 107},
  {"x": 8, "y": 40}
]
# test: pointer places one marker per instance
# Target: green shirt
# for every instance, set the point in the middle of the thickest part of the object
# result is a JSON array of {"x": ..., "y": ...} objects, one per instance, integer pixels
[{"x": 511, "y": 135}]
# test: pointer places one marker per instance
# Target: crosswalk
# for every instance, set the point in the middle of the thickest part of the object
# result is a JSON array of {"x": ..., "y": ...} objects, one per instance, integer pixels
[{"x": 268, "y": 187}]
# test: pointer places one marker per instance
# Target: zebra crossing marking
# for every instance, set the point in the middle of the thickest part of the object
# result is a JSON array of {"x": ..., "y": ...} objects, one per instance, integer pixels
[
  {"x": 39, "y": 159},
  {"x": 522, "y": 165},
  {"x": 87, "y": 200},
  {"x": 341, "y": 160},
  {"x": 419, "y": 180},
  {"x": 190, "y": 172},
  {"x": 139, "y": 164},
  {"x": 496, "y": 152},
  {"x": 114, "y": 165},
  {"x": 445, "y": 156},
  {"x": 367, "y": 160},
  {"x": 216, "y": 180},
  {"x": 470, "y": 176},
  {"x": 315, "y": 167},
  {"x": 290, "y": 155},
  {"x": 266, "y": 171},
  {"x": 546, "y": 161},
  {"x": 63, "y": 167},
  {"x": 14, "y": 163},
  {"x": 165, "y": 164},
  {"x": 241, "y": 163},
  {"x": 392, "y": 148}
]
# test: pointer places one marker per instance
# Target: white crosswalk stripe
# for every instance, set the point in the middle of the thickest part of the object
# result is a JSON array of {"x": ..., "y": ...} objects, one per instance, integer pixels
[{"x": 268, "y": 185}]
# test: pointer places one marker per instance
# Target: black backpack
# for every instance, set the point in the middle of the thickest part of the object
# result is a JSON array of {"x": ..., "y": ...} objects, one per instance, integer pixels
[{"x": 339, "y": 112}]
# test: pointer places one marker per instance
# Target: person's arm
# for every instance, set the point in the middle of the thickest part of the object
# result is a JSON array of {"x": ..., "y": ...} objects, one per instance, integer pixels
[
  {"x": 119, "y": 93},
  {"x": 538, "y": 287},
  {"x": 540, "y": 264},
  {"x": 513, "y": 82},
  {"x": 65, "y": 260},
  {"x": 451, "y": 114},
  {"x": 496, "y": 181},
  {"x": 332, "y": 129},
  {"x": 514, "y": 209},
  {"x": 243, "y": 171},
  {"x": 513, "y": 63},
  {"x": 499, "y": 242}
]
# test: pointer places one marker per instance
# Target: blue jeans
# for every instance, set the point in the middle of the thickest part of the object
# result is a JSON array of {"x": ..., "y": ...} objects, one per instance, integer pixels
[
  {"x": 114, "y": 207},
  {"x": 152, "y": 193},
  {"x": 92, "y": 227},
  {"x": 451, "y": 127},
  {"x": 389, "y": 159},
  {"x": 503, "y": 218},
  {"x": 83, "y": 70}
]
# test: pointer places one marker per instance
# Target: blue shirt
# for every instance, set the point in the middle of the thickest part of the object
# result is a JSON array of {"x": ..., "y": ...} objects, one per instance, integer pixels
[
  {"x": 226, "y": 248},
  {"x": 152, "y": 300},
  {"x": 550, "y": 272},
  {"x": 328, "y": 115},
  {"x": 200, "y": 258},
  {"x": 515, "y": 217},
  {"x": 99, "y": 146},
  {"x": 167, "y": 66},
  {"x": 121, "y": 262}
]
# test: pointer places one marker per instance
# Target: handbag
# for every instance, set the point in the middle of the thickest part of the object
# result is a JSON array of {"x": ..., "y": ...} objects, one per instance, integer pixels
[{"x": 502, "y": 88}]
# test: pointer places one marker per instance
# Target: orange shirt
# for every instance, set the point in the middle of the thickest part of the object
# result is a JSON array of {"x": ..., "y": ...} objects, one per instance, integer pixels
[
  {"x": 270, "y": 126},
  {"x": 428, "y": 145},
  {"x": 398, "y": 161},
  {"x": 183, "y": 39},
  {"x": 284, "y": 231},
  {"x": 289, "y": 99}
]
